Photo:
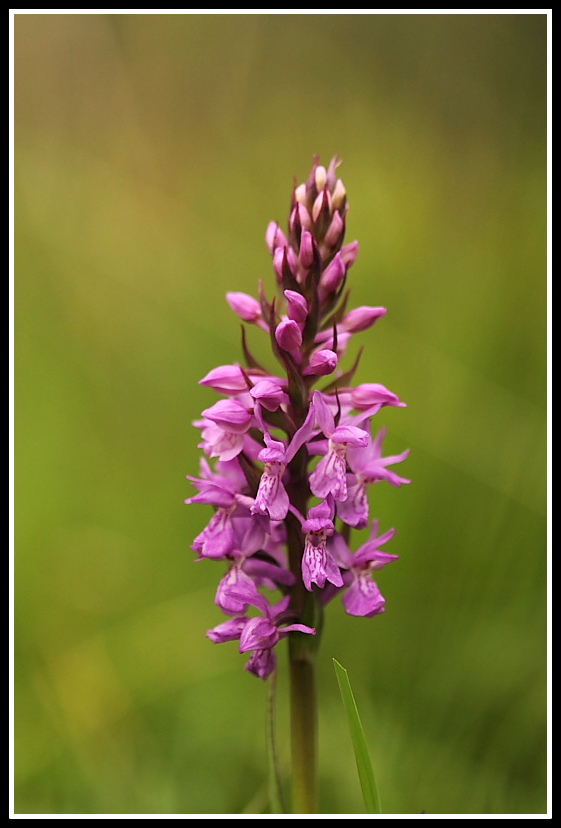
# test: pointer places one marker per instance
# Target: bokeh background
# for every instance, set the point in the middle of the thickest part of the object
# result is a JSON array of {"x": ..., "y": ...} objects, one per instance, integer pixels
[{"x": 151, "y": 151}]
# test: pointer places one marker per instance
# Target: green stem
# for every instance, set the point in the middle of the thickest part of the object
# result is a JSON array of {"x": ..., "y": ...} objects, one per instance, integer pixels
[
  {"x": 302, "y": 647},
  {"x": 303, "y": 724}
]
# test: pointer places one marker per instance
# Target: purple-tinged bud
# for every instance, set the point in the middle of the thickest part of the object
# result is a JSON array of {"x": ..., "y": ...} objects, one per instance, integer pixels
[
  {"x": 292, "y": 260},
  {"x": 289, "y": 335},
  {"x": 373, "y": 393},
  {"x": 311, "y": 188},
  {"x": 299, "y": 220},
  {"x": 338, "y": 195},
  {"x": 278, "y": 260},
  {"x": 245, "y": 306},
  {"x": 307, "y": 252},
  {"x": 335, "y": 231},
  {"x": 230, "y": 415},
  {"x": 285, "y": 263},
  {"x": 321, "y": 363},
  {"x": 333, "y": 275},
  {"x": 226, "y": 379},
  {"x": 360, "y": 319},
  {"x": 269, "y": 394},
  {"x": 332, "y": 179},
  {"x": 318, "y": 564},
  {"x": 301, "y": 195},
  {"x": 349, "y": 253},
  {"x": 297, "y": 306},
  {"x": 343, "y": 338},
  {"x": 321, "y": 178},
  {"x": 322, "y": 206},
  {"x": 274, "y": 237}
]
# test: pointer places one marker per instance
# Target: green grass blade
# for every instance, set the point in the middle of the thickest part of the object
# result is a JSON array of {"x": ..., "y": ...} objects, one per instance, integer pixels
[{"x": 364, "y": 767}]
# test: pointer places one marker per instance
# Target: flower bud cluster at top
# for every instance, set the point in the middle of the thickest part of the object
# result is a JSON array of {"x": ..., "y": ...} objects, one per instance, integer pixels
[{"x": 292, "y": 463}]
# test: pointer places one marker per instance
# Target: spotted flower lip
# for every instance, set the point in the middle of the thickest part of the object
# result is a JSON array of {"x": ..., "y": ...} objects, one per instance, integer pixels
[
  {"x": 289, "y": 446},
  {"x": 272, "y": 497},
  {"x": 330, "y": 475},
  {"x": 318, "y": 564},
  {"x": 363, "y": 596}
]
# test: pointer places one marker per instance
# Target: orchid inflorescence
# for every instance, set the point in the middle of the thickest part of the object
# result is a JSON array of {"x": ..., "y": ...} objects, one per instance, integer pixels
[{"x": 282, "y": 518}]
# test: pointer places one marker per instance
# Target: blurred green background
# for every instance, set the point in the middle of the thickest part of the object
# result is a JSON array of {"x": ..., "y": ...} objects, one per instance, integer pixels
[{"x": 151, "y": 151}]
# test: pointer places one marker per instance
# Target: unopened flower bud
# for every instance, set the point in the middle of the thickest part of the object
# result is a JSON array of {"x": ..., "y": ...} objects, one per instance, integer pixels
[
  {"x": 285, "y": 263},
  {"x": 274, "y": 237},
  {"x": 307, "y": 245},
  {"x": 349, "y": 253},
  {"x": 300, "y": 220},
  {"x": 333, "y": 275},
  {"x": 335, "y": 231},
  {"x": 301, "y": 195},
  {"x": 338, "y": 195},
  {"x": 360, "y": 319},
  {"x": 343, "y": 338},
  {"x": 226, "y": 379},
  {"x": 269, "y": 394},
  {"x": 322, "y": 363},
  {"x": 288, "y": 335},
  {"x": 297, "y": 306},
  {"x": 332, "y": 174},
  {"x": 322, "y": 206},
  {"x": 245, "y": 306},
  {"x": 321, "y": 178}
]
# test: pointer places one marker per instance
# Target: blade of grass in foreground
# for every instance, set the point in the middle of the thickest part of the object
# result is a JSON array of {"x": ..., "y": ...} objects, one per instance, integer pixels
[{"x": 364, "y": 767}]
